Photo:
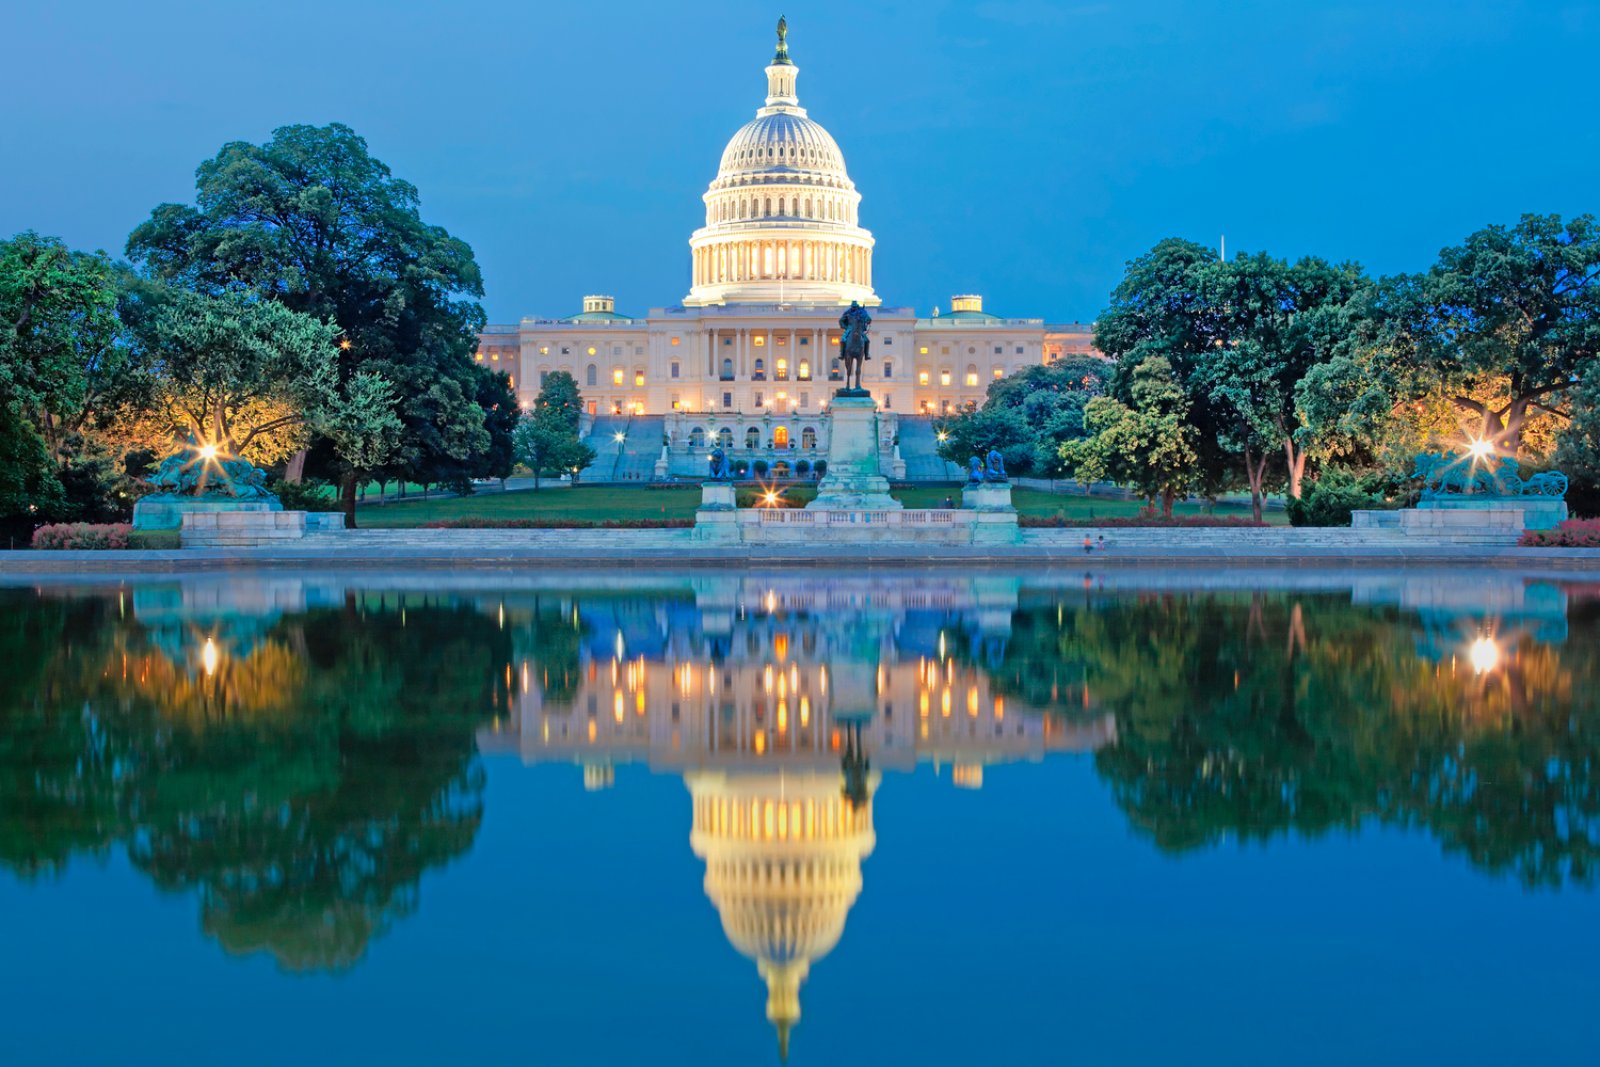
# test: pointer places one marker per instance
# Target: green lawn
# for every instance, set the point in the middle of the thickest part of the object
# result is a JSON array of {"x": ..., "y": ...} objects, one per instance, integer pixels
[{"x": 599, "y": 502}]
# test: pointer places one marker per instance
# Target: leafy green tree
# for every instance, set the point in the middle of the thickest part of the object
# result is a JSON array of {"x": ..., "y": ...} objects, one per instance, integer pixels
[
  {"x": 1514, "y": 307},
  {"x": 234, "y": 369},
  {"x": 1028, "y": 415},
  {"x": 313, "y": 221},
  {"x": 1148, "y": 445},
  {"x": 1161, "y": 309},
  {"x": 362, "y": 425},
  {"x": 1278, "y": 321},
  {"x": 546, "y": 440}
]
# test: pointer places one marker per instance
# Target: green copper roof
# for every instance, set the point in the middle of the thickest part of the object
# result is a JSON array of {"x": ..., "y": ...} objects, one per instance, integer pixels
[{"x": 598, "y": 316}]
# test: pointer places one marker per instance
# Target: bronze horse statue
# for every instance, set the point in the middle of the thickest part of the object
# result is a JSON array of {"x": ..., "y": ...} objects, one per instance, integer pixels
[{"x": 854, "y": 345}]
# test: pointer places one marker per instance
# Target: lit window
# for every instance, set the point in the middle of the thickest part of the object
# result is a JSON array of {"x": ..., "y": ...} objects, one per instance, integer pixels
[
  {"x": 944, "y": 377},
  {"x": 759, "y": 340},
  {"x": 999, "y": 372},
  {"x": 805, "y": 368},
  {"x": 835, "y": 340},
  {"x": 922, "y": 377},
  {"x": 616, "y": 375},
  {"x": 511, "y": 381},
  {"x": 923, "y": 350},
  {"x": 544, "y": 350},
  {"x": 591, "y": 350},
  {"x": 972, "y": 379},
  {"x": 674, "y": 342},
  {"x": 480, "y": 357},
  {"x": 638, "y": 378},
  {"x": 495, "y": 357}
]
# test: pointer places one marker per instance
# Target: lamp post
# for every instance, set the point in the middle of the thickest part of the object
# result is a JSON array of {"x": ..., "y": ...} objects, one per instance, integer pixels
[{"x": 619, "y": 437}]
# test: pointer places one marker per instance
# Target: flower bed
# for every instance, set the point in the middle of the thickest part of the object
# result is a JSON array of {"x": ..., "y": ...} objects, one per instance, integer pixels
[
  {"x": 471, "y": 523},
  {"x": 1058, "y": 522},
  {"x": 1574, "y": 533},
  {"x": 83, "y": 535}
]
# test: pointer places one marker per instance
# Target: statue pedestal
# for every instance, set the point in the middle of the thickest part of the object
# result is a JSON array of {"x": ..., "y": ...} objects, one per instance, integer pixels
[
  {"x": 997, "y": 516},
  {"x": 716, "y": 518},
  {"x": 165, "y": 511},
  {"x": 854, "y": 481},
  {"x": 1538, "y": 512}
]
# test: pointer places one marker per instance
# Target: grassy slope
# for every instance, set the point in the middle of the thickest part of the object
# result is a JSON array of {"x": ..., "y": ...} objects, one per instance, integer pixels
[{"x": 595, "y": 503}]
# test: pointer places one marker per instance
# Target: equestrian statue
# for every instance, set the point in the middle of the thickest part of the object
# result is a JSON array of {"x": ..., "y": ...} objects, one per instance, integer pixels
[{"x": 854, "y": 347}]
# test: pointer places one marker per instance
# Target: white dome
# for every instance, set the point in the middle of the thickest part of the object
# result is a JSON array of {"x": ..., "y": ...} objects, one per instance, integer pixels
[
  {"x": 781, "y": 214},
  {"x": 783, "y": 146}
]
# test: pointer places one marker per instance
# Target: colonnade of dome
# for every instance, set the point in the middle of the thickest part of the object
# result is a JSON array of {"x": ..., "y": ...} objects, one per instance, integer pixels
[{"x": 782, "y": 213}]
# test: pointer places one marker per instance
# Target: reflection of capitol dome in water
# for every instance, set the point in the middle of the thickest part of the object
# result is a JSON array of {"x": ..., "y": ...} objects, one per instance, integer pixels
[{"x": 783, "y": 859}]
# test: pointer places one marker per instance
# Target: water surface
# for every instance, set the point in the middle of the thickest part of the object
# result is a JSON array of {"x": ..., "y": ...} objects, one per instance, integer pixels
[{"x": 893, "y": 817}]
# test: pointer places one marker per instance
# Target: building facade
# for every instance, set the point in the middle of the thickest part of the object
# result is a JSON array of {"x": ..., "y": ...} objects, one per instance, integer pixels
[{"x": 781, "y": 254}]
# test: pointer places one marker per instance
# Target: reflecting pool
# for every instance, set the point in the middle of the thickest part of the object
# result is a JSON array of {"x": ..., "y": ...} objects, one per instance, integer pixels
[{"x": 871, "y": 817}]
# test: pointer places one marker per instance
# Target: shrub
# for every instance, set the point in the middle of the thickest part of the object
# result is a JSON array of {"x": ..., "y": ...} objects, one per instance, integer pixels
[
  {"x": 760, "y": 467},
  {"x": 820, "y": 468},
  {"x": 802, "y": 468},
  {"x": 1057, "y": 522},
  {"x": 82, "y": 535},
  {"x": 309, "y": 494},
  {"x": 755, "y": 498},
  {"x": 1330, "y": 500},
  {"x": 1574, "y": 533},
  {"x": 741, "y": 467},
  {"x": 155, "y": 540},
  {"x": 471, "y": 522}
]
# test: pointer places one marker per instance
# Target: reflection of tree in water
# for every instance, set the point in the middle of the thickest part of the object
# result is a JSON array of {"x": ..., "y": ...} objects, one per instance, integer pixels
[
  {"x": 1259, "y": 715},
  {"x": 550, "y": 633},
  {"x": 301, "y": 786}
]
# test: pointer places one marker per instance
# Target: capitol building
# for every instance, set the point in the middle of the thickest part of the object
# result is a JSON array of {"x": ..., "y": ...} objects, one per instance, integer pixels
[{"x": 747, "y": 359}]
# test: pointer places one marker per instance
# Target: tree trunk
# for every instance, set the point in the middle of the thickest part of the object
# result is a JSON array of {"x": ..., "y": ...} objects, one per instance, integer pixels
[
  {"x": 1256, "y": 471},
  {"x": 295, "y": 469},
  {"x": 1295, "y": 459},
  {"x": 1167, "y": 497},
  {"x": 347, "y": 492}
]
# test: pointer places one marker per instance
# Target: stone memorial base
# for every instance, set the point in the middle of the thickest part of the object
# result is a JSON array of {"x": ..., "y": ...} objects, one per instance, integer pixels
[
  {"x": 996, "y": 518},
  {"x": 854, "y": 481},
  {"x": 1538, "y": 512},
  {"x": 163, "y": 511},
  {"x": 716, "y": 519},
  {"x": 242, "y": 529}
]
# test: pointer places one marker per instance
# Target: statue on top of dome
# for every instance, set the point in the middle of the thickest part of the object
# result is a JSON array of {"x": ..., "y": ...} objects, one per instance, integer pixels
[
  {"x": 854, "y": 346},
  {"x": 782, "y": 55}
]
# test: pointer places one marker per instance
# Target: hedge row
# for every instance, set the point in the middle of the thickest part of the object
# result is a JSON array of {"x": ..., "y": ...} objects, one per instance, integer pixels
[
  {"x": 1574, "y": 533},
  {"x": 83, "y": 535}
]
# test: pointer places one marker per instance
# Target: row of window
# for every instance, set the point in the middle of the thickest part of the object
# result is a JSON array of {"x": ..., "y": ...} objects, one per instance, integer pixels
[
  {"x": 822, "y": 209},
  {"x": 752, "y": 438},
  {"x": 758, "y": 373}
]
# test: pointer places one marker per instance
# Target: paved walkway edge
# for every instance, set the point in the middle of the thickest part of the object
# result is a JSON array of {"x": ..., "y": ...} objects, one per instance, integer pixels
[{"x": 195, "y": 560}]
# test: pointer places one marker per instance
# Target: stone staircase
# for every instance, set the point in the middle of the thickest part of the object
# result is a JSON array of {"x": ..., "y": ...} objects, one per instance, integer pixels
[
  {"x": 634, "y": 460},
  {"x": 919, "y": 449}
]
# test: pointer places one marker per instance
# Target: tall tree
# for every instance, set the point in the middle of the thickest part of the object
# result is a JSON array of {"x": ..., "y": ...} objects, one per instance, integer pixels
[
  {"x": 546, "y": 440},
  {"x": 1148, "y": 444},
  {"x": 1029, "y": 415},
  {"x": 1277, "y": 321},
  {"x": 1518, "y": 306},
  {"x": 314, "y": 221},
  {"x": 236, "y": 370}
]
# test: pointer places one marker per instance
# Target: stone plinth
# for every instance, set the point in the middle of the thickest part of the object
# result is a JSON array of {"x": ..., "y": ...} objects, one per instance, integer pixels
[
  {"x": 1538, "y": 512},
  {"x": 164, "y": 511},
  {"x": 854, "y": 481},
  {"x": 1464, "y": 526},
  {"x": 242, "y": 529},
  {"x": 996, "y": 518},
  {"x": 716, "y": 518}
]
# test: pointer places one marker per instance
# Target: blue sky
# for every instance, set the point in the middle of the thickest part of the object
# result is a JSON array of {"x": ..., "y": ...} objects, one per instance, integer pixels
[{"x": 1019, "y": 149}]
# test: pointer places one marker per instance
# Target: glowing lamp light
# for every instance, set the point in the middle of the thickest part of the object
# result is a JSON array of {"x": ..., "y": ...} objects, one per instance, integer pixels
[
  {"x": 345, "y": 345},
  {"x": 208, "y": 451},
  {"x": 1481, "y": 449},
  {"x": 619, "y": 437},
  {"x": 943, "y": 436},
  {"x": 1484, "y": 654},
  {"x": 770, "y": 497}
]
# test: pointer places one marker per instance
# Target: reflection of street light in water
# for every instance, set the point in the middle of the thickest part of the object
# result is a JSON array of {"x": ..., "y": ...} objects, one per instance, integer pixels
[
  {"x": 208, "y": 657},
  {"x": 1484, "y": 654}
]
